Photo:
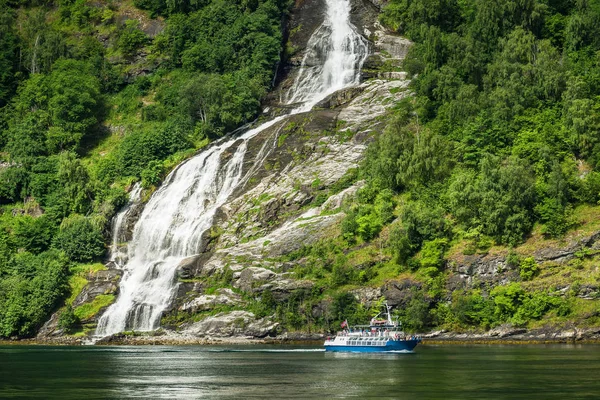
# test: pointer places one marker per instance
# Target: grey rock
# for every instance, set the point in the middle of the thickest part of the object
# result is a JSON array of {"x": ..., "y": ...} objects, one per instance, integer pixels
[
  {"x": 235, "y": 323},
  {"x": 477, "y": 270},
  {"x": 367, "y": 295},
  {"x": 506, "y": 330},
  {"x": 99, "y": 283},
  {"x": 400, "y": 293},
  {"x": 249, "y": 278},
  {"x": 223, "y": 297}
]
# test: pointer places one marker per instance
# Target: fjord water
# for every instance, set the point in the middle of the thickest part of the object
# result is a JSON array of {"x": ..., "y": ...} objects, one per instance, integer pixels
[
  {"x": 172, "y": 223},
  {"x": 190, "y": 372}
]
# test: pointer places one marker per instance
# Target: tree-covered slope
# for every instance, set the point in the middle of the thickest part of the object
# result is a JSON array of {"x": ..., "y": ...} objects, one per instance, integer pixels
[
  {"x": 497, "y": 151},
  {"x": 97, "y": 94}
]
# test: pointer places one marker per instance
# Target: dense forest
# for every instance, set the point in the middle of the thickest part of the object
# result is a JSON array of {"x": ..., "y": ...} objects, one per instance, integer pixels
[
  {"x": 71, "y": 68},
  {"x": 502, "y": 135}
]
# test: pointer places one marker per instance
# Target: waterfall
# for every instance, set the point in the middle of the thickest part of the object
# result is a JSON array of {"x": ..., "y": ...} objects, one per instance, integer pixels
[
  {"x": 334, "y": 57},
  {"x": 172, "y": 223},
  {"x": 119, "y": 222}
]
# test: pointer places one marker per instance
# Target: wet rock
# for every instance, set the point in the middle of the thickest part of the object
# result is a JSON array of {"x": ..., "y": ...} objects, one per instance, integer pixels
[
  {"x": 340, "y": 97},
  {"x": 394, "y": 46},
  {"x": 506, "y": 330},
  {"x": 99, "y": 283},
  {"x": 198, "y": 267}
]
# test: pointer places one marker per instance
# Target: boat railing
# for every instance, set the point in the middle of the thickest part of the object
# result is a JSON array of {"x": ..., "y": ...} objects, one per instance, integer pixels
[{"x": 391, "y": 334}]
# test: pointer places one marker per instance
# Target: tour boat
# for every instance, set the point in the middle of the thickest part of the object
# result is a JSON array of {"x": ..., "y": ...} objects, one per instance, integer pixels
[{"x": 379, "y": 336}]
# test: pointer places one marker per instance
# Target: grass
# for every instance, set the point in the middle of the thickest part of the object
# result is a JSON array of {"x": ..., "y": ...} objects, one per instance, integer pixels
[
  {"x": 76, "y": 285},
  {"x": 89, "y": 310},
  {"x": 78, "y": 280}
]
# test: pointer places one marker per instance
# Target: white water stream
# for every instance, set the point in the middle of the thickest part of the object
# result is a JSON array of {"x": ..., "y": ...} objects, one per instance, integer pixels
[
  {"x": 172, "y": 223},
  {"x": 117, "y": 255}
]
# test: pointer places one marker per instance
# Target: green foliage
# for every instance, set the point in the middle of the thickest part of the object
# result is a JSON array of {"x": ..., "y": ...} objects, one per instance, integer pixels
[
  {"x": 506, "y": 102},
  {"x": 366, "y": 220},
  {"x": 344, "y": 306},
  {"x": 499, "y": 199},
  {"x": 9, "y": 42},
  {"x": 472, "y": 309},
  {"x": 141, "y": 150},
  {"x": 266, "y": 305},
  {"x": 415, "y": 317},
  {"x": 54, "y": 112},
  {"x": 33, "y": 234},
  {"x": 513, "y": 304},
  {"x": 68, "y": 321},
  {"x": 528, "y": 268},
  {"x": 131, "y": 38},
  {"x": 152, "y": 174},
  {"x": 341, "y": 272},
  {"x": 80, "y": 239},
  {"x": 89, "y": 310},
  {"x": 432, "y": 255},
  {"x": 31, "y": 286},
  {"x": 84, "y": 113}
]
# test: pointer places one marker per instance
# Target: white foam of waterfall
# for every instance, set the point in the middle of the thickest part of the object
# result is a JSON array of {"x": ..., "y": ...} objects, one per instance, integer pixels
[
  {"x": 118, "y": 254},
  {"x": 171, "y": 226},
  {"x": 333, "y": 59}
]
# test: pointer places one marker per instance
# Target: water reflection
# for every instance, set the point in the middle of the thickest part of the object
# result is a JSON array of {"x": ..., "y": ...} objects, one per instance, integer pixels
[{"x": 449, "y": 372}]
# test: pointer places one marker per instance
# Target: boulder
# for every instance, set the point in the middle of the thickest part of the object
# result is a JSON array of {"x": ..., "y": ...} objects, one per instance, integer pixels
[
  {"x": 223, "y": 297},
  {"x": 233, "y": 324},
  {"x": 249, "y": 278}
]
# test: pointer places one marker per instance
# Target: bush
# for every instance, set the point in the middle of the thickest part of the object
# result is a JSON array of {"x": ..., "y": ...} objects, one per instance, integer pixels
[
  {"x": 471, "y": 308},
  {"x": 556, "y": 218},
  {"x": 80, "y": 239},
  {"x": 369, "y": 226},
  {"x": 131, "y": 38},
  {"x": 528, "y": 268},
  {"x": 399, "y": 243},
  {"x": 416, "y": 317},
  {"x": 31, "y": 291},
  {"x": 432, "y": 254},
  {"x": 68, "y": 321},
  {"x": 33, "y": 234}
]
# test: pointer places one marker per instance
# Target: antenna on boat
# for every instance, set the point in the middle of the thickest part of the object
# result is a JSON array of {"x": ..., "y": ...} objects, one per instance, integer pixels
[{"x": 389, "y": 314}]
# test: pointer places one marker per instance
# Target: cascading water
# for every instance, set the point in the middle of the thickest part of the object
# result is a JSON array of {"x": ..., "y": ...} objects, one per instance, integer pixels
[
  {"x": 172, "y": 223},
  {"x": 334, "y": 57},
  {"x": 117, "y": 255}
]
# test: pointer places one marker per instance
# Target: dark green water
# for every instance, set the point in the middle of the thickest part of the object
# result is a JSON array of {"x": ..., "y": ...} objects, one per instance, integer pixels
[{"x": 432, "y": 372}]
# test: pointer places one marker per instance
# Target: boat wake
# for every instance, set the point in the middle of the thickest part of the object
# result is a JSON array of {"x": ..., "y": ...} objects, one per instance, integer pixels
[{"x": 267, "y": 350}]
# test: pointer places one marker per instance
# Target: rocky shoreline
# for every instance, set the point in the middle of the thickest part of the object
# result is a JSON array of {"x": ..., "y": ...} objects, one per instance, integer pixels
[{"x": 500, "y": 335}]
